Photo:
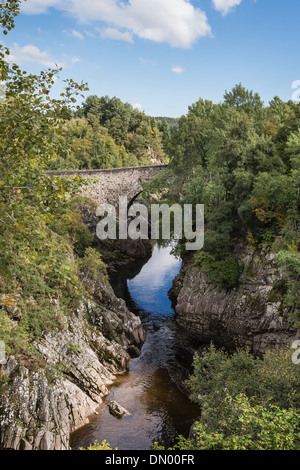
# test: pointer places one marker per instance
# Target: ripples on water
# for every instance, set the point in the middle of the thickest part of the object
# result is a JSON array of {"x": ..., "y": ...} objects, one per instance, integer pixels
[{"x": 152, "y": 390}]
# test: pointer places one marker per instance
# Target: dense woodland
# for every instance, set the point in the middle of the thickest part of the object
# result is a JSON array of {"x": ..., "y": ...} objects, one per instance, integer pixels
[
  {"x": 239, "y": 158},
  {"x": 106, "y": 133}
]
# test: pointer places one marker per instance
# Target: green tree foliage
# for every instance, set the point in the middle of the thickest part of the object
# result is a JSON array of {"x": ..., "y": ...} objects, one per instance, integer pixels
[
  {"x": 293, "y": 151},
  {"x": 92, "y": 265},
  {"x": 97, "y": 446},
  {"x": 166, "y": 134},
  {"x": 247, "y": 427},
  {"x": 224, "y": 273},
  {"x": 107, "y": 133},
  {"x": 89, "y": 146},
  {"x": 247, "y": 403},
  {"x": 278, "y": 112},
  {"x": 247, "y": 101},
  {"x": 172, "y": 123},
  {"x": 272, "y": 198},
  {"x": 272, "y": 380}
]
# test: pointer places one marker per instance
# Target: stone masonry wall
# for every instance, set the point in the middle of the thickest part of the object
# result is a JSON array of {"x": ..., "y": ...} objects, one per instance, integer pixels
[{"x": 106, "y": 186}]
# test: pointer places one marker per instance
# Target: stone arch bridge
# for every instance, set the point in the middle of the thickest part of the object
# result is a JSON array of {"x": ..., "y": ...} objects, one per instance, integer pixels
[{"x": 105, "y": 186}]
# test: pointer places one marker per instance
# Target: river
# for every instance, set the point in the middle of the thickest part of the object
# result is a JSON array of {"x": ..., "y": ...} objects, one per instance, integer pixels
[{"x": 152, "y": 390}]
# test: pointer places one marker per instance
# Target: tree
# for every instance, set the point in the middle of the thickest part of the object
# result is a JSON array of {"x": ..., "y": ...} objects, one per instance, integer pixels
[
  {"x": 293, "y": 151},
  {"x": 132, "y": 131},
  {"x": 202, "y": 108},
  {"x": 243, "y": 100},
  {"x": 166, "y": 135},
  {"x": 34, "y": 261},
  {"x": 187, "y": 147},
  {"x": 272, "y": 198},
  {"x": 247, "y": 427},
  {"x": 278, "y": 111},
  {"x": 249, "y": 102},
  {"x": 246, "y": 403}
]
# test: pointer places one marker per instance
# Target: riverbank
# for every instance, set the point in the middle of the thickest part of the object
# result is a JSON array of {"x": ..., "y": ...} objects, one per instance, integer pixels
[
  {"x": 252, "y": 315},
  {"x": 42, "y": 404}
]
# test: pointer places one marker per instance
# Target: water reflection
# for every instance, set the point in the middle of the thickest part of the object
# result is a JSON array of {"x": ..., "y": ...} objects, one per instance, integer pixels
[
  {"x": 149, "y": 289},
  {"x": 152, "y": 391}
]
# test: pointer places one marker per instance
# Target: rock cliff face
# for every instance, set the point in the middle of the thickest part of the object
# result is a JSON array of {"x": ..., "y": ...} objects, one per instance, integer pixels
[
  {"x": 124, "y": 250},
  {"x": 251, "y": 315},
  {"x": 39, "y": 409}
]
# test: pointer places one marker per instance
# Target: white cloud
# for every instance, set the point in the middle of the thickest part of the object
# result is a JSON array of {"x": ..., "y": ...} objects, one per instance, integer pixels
[
  {"x": 148, "y": 61},
  {"x": 225, "y": 6},
  {"x": 77, "y": 34},
  {"x": 137, "y": 106},
  {"x": 178, "y": 69},
  {"x": 89, "y": 34},
  {"x": 112, "y": 33},
  {"x": 29, "y": 53},
  {"x": 36, "y": 7},
  {"x": 75, "y": 60},
  {"x": 176, "y": 22}
]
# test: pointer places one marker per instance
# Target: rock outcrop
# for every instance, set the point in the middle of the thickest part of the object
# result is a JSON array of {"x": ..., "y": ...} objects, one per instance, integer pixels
[
  {"x": 41, "y": 407},
  {"x": 114, "y": 252},
  {"x": 251, "y": 315}
]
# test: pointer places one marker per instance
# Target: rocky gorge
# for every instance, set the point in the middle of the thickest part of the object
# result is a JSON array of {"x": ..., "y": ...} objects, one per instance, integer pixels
[
  {"x": 40, "y": 408},
  {"x": 251, "y": 315}
]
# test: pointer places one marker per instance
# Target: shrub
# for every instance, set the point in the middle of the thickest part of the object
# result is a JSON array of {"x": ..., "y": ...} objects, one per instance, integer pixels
[
  {"x": 272, "y": 380},
  {"x": 72, "y": 227},
  {"x": 246, "y": 427},
  {"x": 96, "y": 446},
  {"x": 92, "y": 265},
  {"x": 46, "y": 285},
  {"x": 247, "y": 403},
  {"x": 224, "y": 273},
  {"x": 5, "y": 329}
]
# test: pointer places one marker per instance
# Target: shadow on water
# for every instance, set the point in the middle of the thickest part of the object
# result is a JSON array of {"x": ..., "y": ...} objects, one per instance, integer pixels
[{"x": 153, "y": 390}]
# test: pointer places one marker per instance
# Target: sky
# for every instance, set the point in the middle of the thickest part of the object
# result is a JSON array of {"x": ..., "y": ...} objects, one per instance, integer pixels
[{"x": 161, "y": 56}]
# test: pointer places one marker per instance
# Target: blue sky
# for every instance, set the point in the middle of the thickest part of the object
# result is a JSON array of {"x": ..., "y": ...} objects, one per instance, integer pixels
[{"x": 163, "y": 55}]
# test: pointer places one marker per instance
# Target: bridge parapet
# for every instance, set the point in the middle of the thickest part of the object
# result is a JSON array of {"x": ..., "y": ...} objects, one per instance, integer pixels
[{"x": 107, "y": 185}]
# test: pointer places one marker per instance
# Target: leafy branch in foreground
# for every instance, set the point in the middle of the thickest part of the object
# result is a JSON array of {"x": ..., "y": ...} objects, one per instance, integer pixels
[
  {"x": 37, "y": 266},
  {"x": 97, "y": 446}
]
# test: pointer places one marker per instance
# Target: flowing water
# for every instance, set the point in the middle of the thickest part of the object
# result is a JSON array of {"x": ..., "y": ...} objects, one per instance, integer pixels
[{"x": 152, "y": 391}]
